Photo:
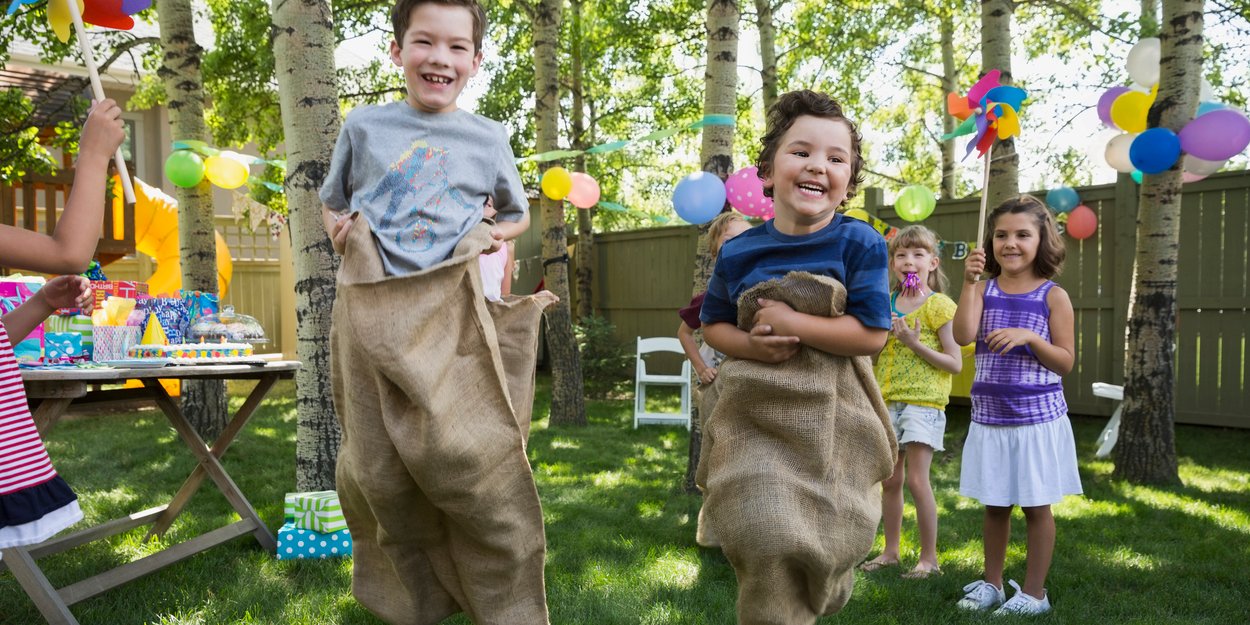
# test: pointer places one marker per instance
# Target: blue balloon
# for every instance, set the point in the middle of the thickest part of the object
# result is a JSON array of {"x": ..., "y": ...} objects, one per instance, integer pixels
[
  {"x": 699, "y": 197},
  {"x": 1155, "y": 150},
  {"x": 1207, "y": 107},
  {"x": 1062, "y": 199}
]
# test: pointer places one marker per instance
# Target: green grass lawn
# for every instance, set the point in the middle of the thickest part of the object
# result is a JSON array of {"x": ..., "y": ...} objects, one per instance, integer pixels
[{"x": 620, "y": 533}]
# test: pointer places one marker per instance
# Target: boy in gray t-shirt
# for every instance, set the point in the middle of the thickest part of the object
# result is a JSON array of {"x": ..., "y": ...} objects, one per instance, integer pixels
[{"x": 426, "y": 375}]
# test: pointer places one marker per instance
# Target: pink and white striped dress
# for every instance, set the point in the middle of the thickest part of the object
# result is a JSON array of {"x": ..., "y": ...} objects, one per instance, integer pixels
[{"x": 35, "y": 503}]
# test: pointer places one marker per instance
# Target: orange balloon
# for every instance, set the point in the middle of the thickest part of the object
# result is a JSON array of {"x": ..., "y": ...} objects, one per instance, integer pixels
[{"x": 1082, "y": 222}]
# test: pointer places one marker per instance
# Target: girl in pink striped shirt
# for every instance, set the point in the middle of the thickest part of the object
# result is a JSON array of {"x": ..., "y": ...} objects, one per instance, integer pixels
[{"x": 35, "y": 503}]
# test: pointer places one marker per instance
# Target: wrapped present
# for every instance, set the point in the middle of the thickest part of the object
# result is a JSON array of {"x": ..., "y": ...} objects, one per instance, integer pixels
[
  {"x": 15, "y": 290},
  {"x": 296, "y": 543},
  {"x": 173, "y": 314},
  {"x": 78, "y": 324},
  {"x": 103, "y": 289},
  {"x": 199, "y": 303},
  {"x": 318, "y": 511},
  {"x": 112, "y": 342},
  {"x": 63, "y": 347}
]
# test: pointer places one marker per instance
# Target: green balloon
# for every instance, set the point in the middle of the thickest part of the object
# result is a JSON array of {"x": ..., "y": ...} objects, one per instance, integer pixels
[
  {"x": 915, "y": 203},
  {"x": 184, "y": 168}
]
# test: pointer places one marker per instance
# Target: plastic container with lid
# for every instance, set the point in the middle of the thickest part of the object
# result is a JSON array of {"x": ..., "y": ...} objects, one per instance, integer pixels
[{"x": 227, "y": 326}]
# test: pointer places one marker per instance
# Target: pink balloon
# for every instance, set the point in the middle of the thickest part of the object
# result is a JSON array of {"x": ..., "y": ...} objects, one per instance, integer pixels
[
  {"x": 745, "y": 192},
  {"x": 585, "y": 191},
  {"x": 1104, "y": 104},
  {"x": 1190, "y": 177},
  {"x": 1082, "y": 222},
  {"x": 1216, "y": 136}
]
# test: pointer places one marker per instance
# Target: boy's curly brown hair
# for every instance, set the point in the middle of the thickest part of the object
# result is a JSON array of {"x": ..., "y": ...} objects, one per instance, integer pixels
[{"x": 401, "y": 13}]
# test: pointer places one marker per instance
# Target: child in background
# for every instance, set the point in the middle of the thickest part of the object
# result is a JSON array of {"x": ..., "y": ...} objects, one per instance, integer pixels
[
  {"x": 434, "y": 481},
  {"x": 705, "y": 360},
  {"x": 35, "y": 502},
  {"x": 801, "y": 439},
  {"x": 1020, "y": 450},
  {"x": 914, "y": 371}
]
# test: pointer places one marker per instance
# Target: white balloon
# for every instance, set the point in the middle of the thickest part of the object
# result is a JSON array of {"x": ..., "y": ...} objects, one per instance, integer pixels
[
  {"x": 1195, "y": 165},
  {"x": 1096, "y": 150},
  {"x": 1117, "y": 153},
  {"x": 1143, "y": 61}
]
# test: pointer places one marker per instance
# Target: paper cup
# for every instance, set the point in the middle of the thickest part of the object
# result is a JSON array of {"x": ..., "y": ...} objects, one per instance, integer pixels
[{"x": 111, "y": 342}]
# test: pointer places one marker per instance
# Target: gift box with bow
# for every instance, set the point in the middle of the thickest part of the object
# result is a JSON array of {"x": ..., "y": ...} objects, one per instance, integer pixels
[
  {"x": 318, "y": 511},
  {"x": 295, "y": 543}
]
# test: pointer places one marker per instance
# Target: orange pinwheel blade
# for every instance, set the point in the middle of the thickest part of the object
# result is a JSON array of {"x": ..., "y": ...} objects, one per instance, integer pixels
[{"x": 957, "y": 106}]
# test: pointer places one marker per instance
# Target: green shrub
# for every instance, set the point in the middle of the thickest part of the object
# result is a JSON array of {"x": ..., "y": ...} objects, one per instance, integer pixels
[{"x": 607, "y": 364}]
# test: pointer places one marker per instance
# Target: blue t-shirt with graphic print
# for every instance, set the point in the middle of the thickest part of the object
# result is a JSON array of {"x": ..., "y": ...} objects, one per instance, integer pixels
[
  {"x": 421, "y": 179},
  {"x": 847, "y": 250}
]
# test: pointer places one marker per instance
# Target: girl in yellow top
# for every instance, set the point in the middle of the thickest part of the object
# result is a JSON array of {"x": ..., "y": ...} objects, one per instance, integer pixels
[{"x": 914, "y": 371}]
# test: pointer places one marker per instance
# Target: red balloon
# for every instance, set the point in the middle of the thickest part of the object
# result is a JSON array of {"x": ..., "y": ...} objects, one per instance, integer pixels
[{"x": 1082, "y": 222}]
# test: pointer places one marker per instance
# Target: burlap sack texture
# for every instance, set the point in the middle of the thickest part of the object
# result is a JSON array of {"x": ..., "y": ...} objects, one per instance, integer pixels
[
  {"x": 432, "y": 472},
  {"x": 792, "y": 457}
]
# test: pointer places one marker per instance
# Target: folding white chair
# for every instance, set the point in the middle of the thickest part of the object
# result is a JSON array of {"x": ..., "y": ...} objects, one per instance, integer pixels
[
  {"x": 642, "y": 380},
  {"x": 1111, "y": 433}
]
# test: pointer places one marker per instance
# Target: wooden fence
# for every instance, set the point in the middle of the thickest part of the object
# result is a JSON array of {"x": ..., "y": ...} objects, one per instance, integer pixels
[{"x": 644, "y": 276}]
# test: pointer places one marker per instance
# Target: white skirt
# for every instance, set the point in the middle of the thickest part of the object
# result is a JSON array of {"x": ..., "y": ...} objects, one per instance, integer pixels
[{"x": 1020, "y": 465}]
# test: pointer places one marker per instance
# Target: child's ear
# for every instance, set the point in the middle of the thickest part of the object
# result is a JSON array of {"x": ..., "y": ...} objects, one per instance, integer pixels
[{"x": 395, "y": 51}]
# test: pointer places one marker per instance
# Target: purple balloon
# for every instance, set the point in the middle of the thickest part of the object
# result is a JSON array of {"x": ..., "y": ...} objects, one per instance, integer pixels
[
  {"x": 1216, "y": 136},
  {"x": 1104, "y": 104}
]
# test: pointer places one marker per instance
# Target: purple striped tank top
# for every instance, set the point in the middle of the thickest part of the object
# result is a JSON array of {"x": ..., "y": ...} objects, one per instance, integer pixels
[{"x": 1014, "y": 388}]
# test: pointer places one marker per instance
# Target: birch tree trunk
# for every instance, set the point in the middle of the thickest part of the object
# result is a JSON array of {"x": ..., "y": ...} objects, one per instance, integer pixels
[
  {"x": 568, "y": 403},
  {"x": 585, "y": 216},
  {"x": 719, "y": 98},
  {"x": 1146, "y": 450},
  {"x": 303, "y": 45},
  {"x": 996, "y": 54},
  {"x": 203, "y": 401},
  {"x": 946, "y": 33},
  {"x": 768, "y": 51}
]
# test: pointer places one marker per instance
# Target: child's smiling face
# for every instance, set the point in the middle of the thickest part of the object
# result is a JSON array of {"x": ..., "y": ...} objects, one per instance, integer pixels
[
  {"x": 1016, "y": 240},
  {"x": 810, "y": 174},
  {"x": 438, "y": 56}
]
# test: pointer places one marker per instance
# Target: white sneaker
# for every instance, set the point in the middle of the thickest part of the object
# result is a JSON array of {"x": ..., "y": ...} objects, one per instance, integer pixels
[
  {"x": 1021, "y": 603},
  {"x": 982, "y": 596}
]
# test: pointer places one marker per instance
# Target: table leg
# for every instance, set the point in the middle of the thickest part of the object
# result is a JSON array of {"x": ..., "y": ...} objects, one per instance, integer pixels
[
  {"x": 208, "y": 459},
  {"x": 218, "y": 449},
  {"x": 49, "y": 412},
  {"x": 37, "y": 587}
]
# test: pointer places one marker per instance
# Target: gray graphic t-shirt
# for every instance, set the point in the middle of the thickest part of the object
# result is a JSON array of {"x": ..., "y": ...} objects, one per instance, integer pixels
[{"x": 421, "y": 179}]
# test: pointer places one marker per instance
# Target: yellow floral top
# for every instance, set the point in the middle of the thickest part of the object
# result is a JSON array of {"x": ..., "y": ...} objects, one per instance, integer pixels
[{"x": 906, "y": 377}]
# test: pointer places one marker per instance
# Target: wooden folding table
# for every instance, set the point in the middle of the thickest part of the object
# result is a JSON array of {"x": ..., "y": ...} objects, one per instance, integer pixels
[{"x": 56, "y": 389}]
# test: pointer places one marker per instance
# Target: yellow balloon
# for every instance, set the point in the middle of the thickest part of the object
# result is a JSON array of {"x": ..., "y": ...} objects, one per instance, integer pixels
[
  {"x": 557, "y": 183},
  {"x": 1129, "y": 111},
  {"x": 224, "y": 171}
]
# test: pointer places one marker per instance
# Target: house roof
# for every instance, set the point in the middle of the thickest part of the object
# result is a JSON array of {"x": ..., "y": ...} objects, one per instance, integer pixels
[{"x": 51, "y": 92}]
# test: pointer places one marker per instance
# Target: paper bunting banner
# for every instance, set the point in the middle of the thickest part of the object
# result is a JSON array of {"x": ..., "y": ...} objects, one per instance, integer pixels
[
  {"x": 205, "y": 149},
  {"x": 555, "y": 155}
]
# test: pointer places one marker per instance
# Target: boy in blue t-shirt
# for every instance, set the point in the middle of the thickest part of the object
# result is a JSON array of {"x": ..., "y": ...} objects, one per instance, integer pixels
[
  {"x": 432, "y": 473},
  {"x": 797, "y": 441}
]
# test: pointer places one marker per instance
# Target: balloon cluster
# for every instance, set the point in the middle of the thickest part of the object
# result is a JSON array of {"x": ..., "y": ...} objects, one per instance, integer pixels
[
  {"x": 1216, "y": 134},
  {"x": 228, "y": 170},
  {"x": 989, "y": 111},
  {"x": 701, "y": 196},
  {"x": 581, "y": 190},
  {"x": 115, "y": 14},
  {"x": 1080, "y": 221}
]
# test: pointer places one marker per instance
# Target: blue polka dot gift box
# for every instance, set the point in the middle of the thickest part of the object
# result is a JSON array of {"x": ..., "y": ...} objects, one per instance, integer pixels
[{"x": 300, "y": 544}]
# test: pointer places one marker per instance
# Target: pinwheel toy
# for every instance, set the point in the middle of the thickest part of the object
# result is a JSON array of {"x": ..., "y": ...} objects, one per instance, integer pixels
[
  {"x": 988, "y": 112},
  {"x": 115, "y": 14}
]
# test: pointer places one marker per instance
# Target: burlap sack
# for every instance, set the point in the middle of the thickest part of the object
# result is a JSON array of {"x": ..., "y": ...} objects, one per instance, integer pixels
[
  {"x": 792, "y": 461},
  {"x": 432, "y": 472}
]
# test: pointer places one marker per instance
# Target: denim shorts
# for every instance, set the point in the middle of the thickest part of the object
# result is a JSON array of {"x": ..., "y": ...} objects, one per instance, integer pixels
[{"x": 917, "y": 424}]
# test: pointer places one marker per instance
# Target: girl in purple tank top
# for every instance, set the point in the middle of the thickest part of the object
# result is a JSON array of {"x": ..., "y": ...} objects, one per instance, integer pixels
[{"x": 1020, "y": 450}]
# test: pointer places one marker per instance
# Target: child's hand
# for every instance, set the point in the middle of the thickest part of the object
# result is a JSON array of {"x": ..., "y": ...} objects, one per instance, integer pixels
[
  {"x": 103, "y": 132},
  {"x": 338, "y": 236},
  {"x": 66, "y": 292},
  {"x": 1003, "y": 339},
  {"x": 707, "y": 375},
  {"x": 496, "y": 240},
  {"x": 974, "y": 266},
  {"x": 772, "y": 313},
  {"x": 906, "y": 335},
  {"x": 769, "y": 348}
]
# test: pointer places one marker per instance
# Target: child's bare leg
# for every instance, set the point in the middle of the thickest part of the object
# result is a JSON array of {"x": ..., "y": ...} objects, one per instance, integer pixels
[
  {"x": 919, "y": 458},
  {"x": 891, "y": 518},
  {"x": 1041, "y": 545},
  {"x": 997, "y": 532}
]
